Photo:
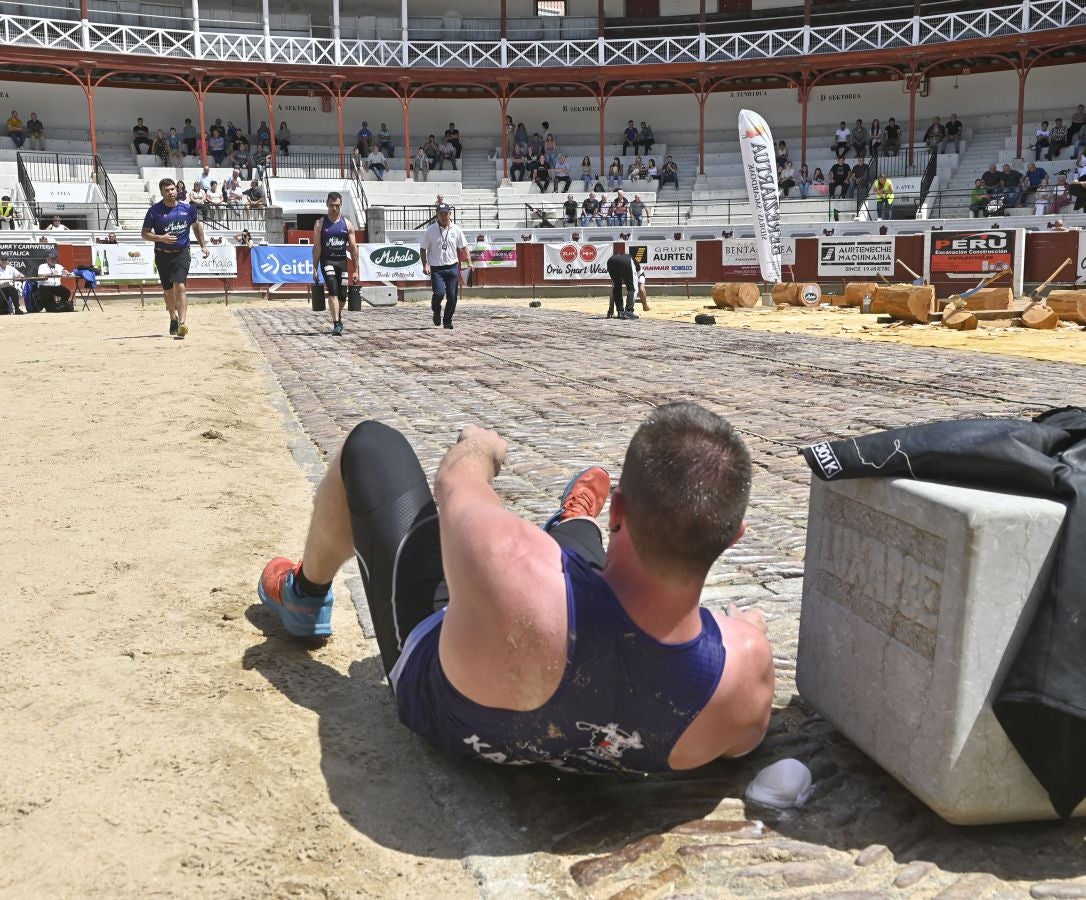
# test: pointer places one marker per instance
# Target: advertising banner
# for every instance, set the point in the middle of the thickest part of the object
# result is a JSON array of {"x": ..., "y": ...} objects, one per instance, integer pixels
[
  {"x": 485, "y": 255},
  {"x": 856, "y": 256},
  {"x": 576, "y": 261},
  {"x": 26, "y": 256},
  {"x": 760, "y": 172},
  {"x": 971, "y": 254},
  {"x": 1080, "y": 273},
  {"x": 739, "y": 258},
  {"x": 666, "y": 259},
  {"x": 390, "y": 262},
  {"x": 282, "y": 264},
  {"x": 136, "y": 262}
]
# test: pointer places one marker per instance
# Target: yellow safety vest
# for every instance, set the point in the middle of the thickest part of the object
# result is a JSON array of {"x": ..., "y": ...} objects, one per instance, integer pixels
[
  {"x": 6, "y": 209},
  {"x": 885, "y": 191}
]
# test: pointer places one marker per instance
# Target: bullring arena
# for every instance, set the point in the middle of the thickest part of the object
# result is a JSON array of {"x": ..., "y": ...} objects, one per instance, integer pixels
[{"x": 165, "y": 737}]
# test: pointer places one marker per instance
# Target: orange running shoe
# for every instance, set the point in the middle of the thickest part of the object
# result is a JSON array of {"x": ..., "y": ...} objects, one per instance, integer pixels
[
  {"x": 585, "y": 495},
  {"x": 301, "y": 616}
]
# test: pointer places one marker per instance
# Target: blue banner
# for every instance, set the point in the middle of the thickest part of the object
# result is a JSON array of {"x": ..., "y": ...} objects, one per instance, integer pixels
[{"x": 282, "y": 264}]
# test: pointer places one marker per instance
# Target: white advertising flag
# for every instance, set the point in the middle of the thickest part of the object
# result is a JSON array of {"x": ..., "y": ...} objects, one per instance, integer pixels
[{"x": 760, "y": 172}]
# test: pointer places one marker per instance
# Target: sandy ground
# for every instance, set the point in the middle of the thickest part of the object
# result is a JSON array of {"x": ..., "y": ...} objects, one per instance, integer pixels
[{"x": 156, "y": 741}]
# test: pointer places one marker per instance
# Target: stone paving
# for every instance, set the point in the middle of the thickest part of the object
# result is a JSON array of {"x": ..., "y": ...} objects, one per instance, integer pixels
[{"x": 567, "y": 390}]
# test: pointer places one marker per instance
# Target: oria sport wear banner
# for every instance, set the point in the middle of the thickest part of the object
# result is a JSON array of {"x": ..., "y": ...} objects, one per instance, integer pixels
[
  {"x": 760, "y": 174},
  {"x": 573, "y": 260}
]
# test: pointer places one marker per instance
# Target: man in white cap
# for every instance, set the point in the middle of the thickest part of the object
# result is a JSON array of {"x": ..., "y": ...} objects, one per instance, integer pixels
[{"x": 444, "y": 247}]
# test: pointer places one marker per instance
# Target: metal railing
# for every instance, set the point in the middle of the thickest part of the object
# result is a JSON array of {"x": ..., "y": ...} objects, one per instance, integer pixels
[
  {"x": 311, "y": 165},
  {"x": 26, "y": 185},
  {"x": 59, "y": 167},
  {"x": 101, "y": 178}
]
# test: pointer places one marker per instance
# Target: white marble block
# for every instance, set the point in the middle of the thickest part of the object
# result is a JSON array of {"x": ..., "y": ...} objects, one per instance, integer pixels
[{"x": 916, "y": 598}]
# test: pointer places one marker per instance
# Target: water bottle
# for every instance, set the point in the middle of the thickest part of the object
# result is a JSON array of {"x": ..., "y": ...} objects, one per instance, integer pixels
[{"x": 865, "y": 305}]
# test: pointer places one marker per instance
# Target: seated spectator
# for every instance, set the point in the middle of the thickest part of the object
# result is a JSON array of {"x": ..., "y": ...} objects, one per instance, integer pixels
[
  {"x": 232, "y": 133},
  {"x": 518, "y": 163},
  {"x": 839, "y": 178},
  {"x": 160, "y": 148},
  {"x": 590, "y": 209},
  {"x": 875, "y": 136},
  {"x": 541, "y": 175},
  {"x": 141, "y": 138},
  {"x": 56, "y": 225},
  {"x": 244, "y": 239},
  {"x": 521, "y": 135},
  {"x": 188, "y": 138},
  {"x": 629, "y": 137},
  {"x": 198, "y": 198},
  {"x": 803, "y": 182},
  {"x": 375, "y": 163},
  {"x": 446, "y": 152},
  {"x": 569, "y": 210},
  {"x": 1058, "y": 226},
  {"x": 652, "y": 174},
  {"x": 620, "y": 208},
  {"x": 891, "y": 144},
  {"x": 233, "y": 193},
  {"x": 978, "y": 198},
  {"x": 1061, "y": 194},
  {"x": 1057, "y": 139},
  {"x": 35, "y": 132},
  {"x": 509, "y": 135},
  {"x": 842, "y": 140},
  {"x": 562, "y": 178},
  {"x": 858, "y": 139},
  {"x": 430, "y": 148},
  {"x": 384, "y": 141},
  {"x": 859, "y": 180},
  {"x": 1031, "y": 181},
  {"x": 587, "y": 172},
  {"x": 111, "y": 238},
  {"x": 452, "y": 136},
  {"x": 1041, "y": 142},
  {"x": 255, "y": 196},
  {"x": 176, "y": 150},
  {"x": 933, "y": 137},
  {"x": 1042, "y": 199},
  {"x": 645, "y": 138},
  {"x": 9, "y": 278},
  {"x": 358, "y": 162},
  {"x": 182, "y": 193},
  {"x": 420, "y": 166},
  {"x": 1010, "y": 182},
  {"x": 952, "y": 135},
  {"x": 242, "y": 159},
  {"x": 782, "y": 154},
  {"x": 205, "y": 178},
  {"x": 8, "y": 212},
  {"x": 638, "y": 211},
  {"x": 263, "y": 134},
  {"x": 51, "y": 293},
  {"x": 364, "y": 139},
  {"x": 283, "y": 138},
  {"x": 201, "y": 146},
  {"x": 615, "y": 173},
  {"x": 786, "y": 178},
  {"x": 216, "y": 146},
  {"x": 16, "y": 131},
  {"x": 604, "y": 212},
  {"x": 1077, "y": 190},
  {"x": 637, "y": 170},
  {"x": 535, "y": 144},
  {"x": 550, "y": 149},
  {"x": 993, "y": 179},
  {"x": 818, "y": 183}
]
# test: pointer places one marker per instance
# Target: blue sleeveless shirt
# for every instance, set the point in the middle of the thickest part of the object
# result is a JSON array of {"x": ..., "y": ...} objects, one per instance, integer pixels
[
  {"x": 623, "y": 702},
  {"x": 333, "y": 239}
]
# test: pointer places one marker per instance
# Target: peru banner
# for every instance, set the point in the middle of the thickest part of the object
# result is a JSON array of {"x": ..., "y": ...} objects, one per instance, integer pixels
[{"x": 760, "y": 172}]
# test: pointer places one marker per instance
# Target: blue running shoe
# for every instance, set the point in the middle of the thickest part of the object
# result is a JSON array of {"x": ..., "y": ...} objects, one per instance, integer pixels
[
  {"x": 585, "y": 495},
  {"x": 301, "y": 616}
]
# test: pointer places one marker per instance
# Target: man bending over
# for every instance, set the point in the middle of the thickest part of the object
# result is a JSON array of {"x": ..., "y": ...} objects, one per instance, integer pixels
[{"x": 514, "y": 644}]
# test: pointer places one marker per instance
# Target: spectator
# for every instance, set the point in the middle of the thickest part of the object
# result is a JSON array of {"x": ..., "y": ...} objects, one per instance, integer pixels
[
  {"x": 375, "y": 163},
  {"x": 430, "y": 148},
  {"x": 420, "y": 166},
  {"x": 1010, "y": 181},
  {"x": 818, "y": 183},
  {"x": 933, "y": 137},
  {"x": 216, "y": 146},
  {"x": 562, "y": 179},
  {"x": 637, "y": 170},
  {"x": 521, "y": 135},
  {"x": 364, "y": 138},
  {"x": 531, "y": 163},
  {"x": 860, "y": 179},
  {"x": 111, "y": 238},
  {"x": 452, "y": 136},
  {"x": 620, "y": 209},
  {"x": 283, "y": 138},
  {"x": 1061, "y": 194},
  {"x": 35, "y": 131},
  {"x": 1041, "y": 142},
  {"x": 242, "y": 159},
  {"x": 535, "y": 144},
  {"x": 205, "y": 178},
  {"x": 11, "y": 294},
  {"x": 550, "y": 149},
  {"x": 49, "y": 274},
  {"x": 842, "y": 138},
  {"x": 263, "y": 134},
  {"x": 15, "y": 130},
  {"x": 615, "y": 174},
  {"x": 446, "y": 152},
  {"x": 1042, "y": 199},
  {"x": 1031, "y": 181},
  {"x": 629, "y": 137},
  {"x": 569, "y": 210},
  {"x": 177, "y": 152},
  {"x": 884, "y": 198},
  {"x": 978, "y": 198},
  {"x": 232, "y": 133},
  {"x": 993, "y": 179},
  {"x": 215, "y": 201},
  {"x": 182, "y": 192},
  {"x": 141, "y": 137},
  {"x": 786, "y": 178},
  {"x": 1057, "y": 139},
  {"x": 188, "y": 138},
  {"x": 874, "y": 136},
  {"x": 892, "y": 141},
  {"x": 637, "y": 210},
  {"x": 8, "y": 212},
  {"x": 542, "y": 173},
  {"x": 652, "y": 174},
  {"x": 518, "y": 163},
  {"x": 587, "y": 172},
  {"x": 604, "y": 210},
  {"x": 56, "y": 225},
  {"x": 201, "y": 146},
  {"x": 858, "y": 139},
  {"x": 255, "y": 195},
  {"x": 590, "y": 209},
  {"x": 1058, "y": 226},
  {"x": 384, "y": 141},
  {"x": 839, "y": 178},
  {"x": 645, "y": 138},
  {"x": 233, "y": 193},
  {"x": 804, "y": 182},
  {"x": 1077, "y": 190},
  {"x": 161, "y": 148},
  {"x": 198, "y": 198},
  {"x": 782, "y": 154},
  {"x": 244, "y": 239},
  {"x": 952, "y": 134}
]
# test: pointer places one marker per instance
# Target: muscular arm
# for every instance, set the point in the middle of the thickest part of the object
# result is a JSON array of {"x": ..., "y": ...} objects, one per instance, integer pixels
[
  {"x": 352, "y": 242},
  {"x": 198, "y": 230},
  {"x": 317, "y": 250}
]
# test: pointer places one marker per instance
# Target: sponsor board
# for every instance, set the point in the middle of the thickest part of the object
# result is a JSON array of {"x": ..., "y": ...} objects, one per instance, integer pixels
[
  {"x": 577, "y": 261},
  {"x": 136, "y": 262},
  {"x": 1080, "y": 274},
  {"x": 485, "y": 255},
  {"x": 739, "y": 258},
  {"x": 971, "y": 254},
  {"x": 282, "y": 264},
  {"x": 867, "y": 256},
  {"x": 666, "y": 259},
  {"x": 760, "y": 174},
  {"x": 390, "y": 262},
  {"x": 26, "y": 256}
]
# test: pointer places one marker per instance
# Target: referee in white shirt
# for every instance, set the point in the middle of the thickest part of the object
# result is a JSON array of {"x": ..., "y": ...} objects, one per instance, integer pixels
[{"x": 443, "y": 248}]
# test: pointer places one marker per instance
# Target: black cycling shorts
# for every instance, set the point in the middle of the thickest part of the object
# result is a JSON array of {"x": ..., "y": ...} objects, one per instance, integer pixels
[
  {"x": 334, "y": 272},
  {"x": 173, "y": 268}
]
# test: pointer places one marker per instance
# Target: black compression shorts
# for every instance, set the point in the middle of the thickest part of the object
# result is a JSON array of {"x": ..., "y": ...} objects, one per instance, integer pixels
[
  {"x": 334, "y": 272},
  {"x": 173, "y": 268}
]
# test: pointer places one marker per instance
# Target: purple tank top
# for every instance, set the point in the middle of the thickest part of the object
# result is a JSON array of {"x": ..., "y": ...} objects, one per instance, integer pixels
[{"x": 623, "y": 701}]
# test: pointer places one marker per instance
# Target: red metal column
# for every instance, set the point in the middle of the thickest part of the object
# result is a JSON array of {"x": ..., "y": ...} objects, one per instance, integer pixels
[
  {"x": 1023, "y": 73},
  {"x": 603, "y": 103},
  {"x": 804, "y": 96},
  {"x": 269, "y": 99},
  {"x": 89, "y": 89},
  {"x": 703, "y": 98},
  {"x": 203, "y": 124},
  {"x": 914, "y": 83},
  {"x": 405, "y": 102},
  {"x": 339, "y": 124},
  {"x": 503, "y": 111}
]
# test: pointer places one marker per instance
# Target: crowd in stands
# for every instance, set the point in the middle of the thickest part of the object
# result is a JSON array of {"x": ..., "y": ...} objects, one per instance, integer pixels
[{"x": 999, "y": 188}]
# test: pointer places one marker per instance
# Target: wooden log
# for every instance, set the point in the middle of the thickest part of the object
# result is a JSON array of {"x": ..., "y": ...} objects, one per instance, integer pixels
[
  {"x": 834, "y": 299},
  {"x": 736, "y": 294},
  {"x": 909, "y": 304},
  {"x": 960, "y": 320},
  {"x": 991, "y": 298},
  {"x": 786, "y": 292},
  {"x": 856, "y": 290},
  {"x": 720, "y": 294},
  {"x": 810, "y": 294},
  {"x": 1070, "y": 306},
  {"x": 1038, "y": 315}
]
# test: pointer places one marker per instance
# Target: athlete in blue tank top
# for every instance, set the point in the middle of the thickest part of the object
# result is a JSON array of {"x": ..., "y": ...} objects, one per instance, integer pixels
[
  {"x": 333, "y": 235},
  {"x": 517, "y": 645}
]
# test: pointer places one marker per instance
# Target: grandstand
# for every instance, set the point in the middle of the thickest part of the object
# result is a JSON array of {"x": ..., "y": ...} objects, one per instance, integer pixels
[{"x": 88, "y": 69}]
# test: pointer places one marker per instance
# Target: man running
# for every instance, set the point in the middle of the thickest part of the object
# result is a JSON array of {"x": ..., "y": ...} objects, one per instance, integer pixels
[
  {"x": 167, "y": 223},
  {"x": 624, "y": 271},
  {"x": 444, "y": 247},
  {"x": 516, "y": 644},
  {"x": 332, "y": 235}
]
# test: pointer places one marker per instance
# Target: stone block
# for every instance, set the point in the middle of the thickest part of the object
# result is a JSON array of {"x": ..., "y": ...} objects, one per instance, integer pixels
[
  {"x": 379, "y": 295},
  {"x": 916, "y": 599}
]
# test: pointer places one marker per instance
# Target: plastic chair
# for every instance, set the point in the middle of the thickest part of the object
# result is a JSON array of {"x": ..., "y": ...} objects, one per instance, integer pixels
[{"x": 86, "y": 282}]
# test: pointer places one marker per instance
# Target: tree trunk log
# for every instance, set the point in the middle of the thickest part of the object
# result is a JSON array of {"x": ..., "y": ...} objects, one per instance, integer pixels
[
  {"x": 735, "y": 294},
  {"x": 991, "y": 298},
  {"x": 1070, "y": 306},
  {"x": 909, "y": 304},
  {"x": 787, "y": 293},
  {"x": 1037, "y": 315},
  {"x": 855, "y": 291},
  {"x": 960, "y": 320}
]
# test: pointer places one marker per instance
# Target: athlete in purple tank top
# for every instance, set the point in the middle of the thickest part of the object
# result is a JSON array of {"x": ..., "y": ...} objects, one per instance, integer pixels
[{"x": 518, "y": 645}]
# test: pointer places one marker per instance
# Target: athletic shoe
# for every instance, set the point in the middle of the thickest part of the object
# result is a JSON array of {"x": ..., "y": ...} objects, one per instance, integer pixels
[
  {"x": 301, "y": 616},
  {"x": 173, "y": 327},
  {"x": 182, "y": 329},
  {"x": 448, "y": 325},
  {"x": 628, "y": 315},
  {"x": 585, "y": 495},
  {"x": 337, "y": 329},
  {"x": 437, "y": 316}
]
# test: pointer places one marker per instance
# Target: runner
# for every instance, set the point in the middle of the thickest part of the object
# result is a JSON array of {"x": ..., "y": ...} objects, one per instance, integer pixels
[
  {"x": 167, "y": 224},
  {"x": 332, "y": 234}
]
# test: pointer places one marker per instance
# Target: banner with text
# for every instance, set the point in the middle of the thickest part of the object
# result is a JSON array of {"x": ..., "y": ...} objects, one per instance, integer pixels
[
  {"x": 136, "y": 262},
  {"x": 971, "y": 254},
  {"x": 666, "y": 259},
  {"x": 485, "y": 255},
  {"x": 739, "y": 258},
  {"x": 1080, "y": 275},
  {"x": 858, "y": 256},
  {"x": 576, "y": 261},
  {"x": 282, "y": 264},
  {"x": 390, "y": 262},
  {"x": 25, "y": 256}
]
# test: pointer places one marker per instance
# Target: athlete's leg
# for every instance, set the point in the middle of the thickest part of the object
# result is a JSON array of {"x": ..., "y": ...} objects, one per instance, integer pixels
[
  {"x": 331, "y": 289},
  {"x": 181, "y": 302},
  {"x": 171, "y": 308},
  {"x": 629, "y": 277}
]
